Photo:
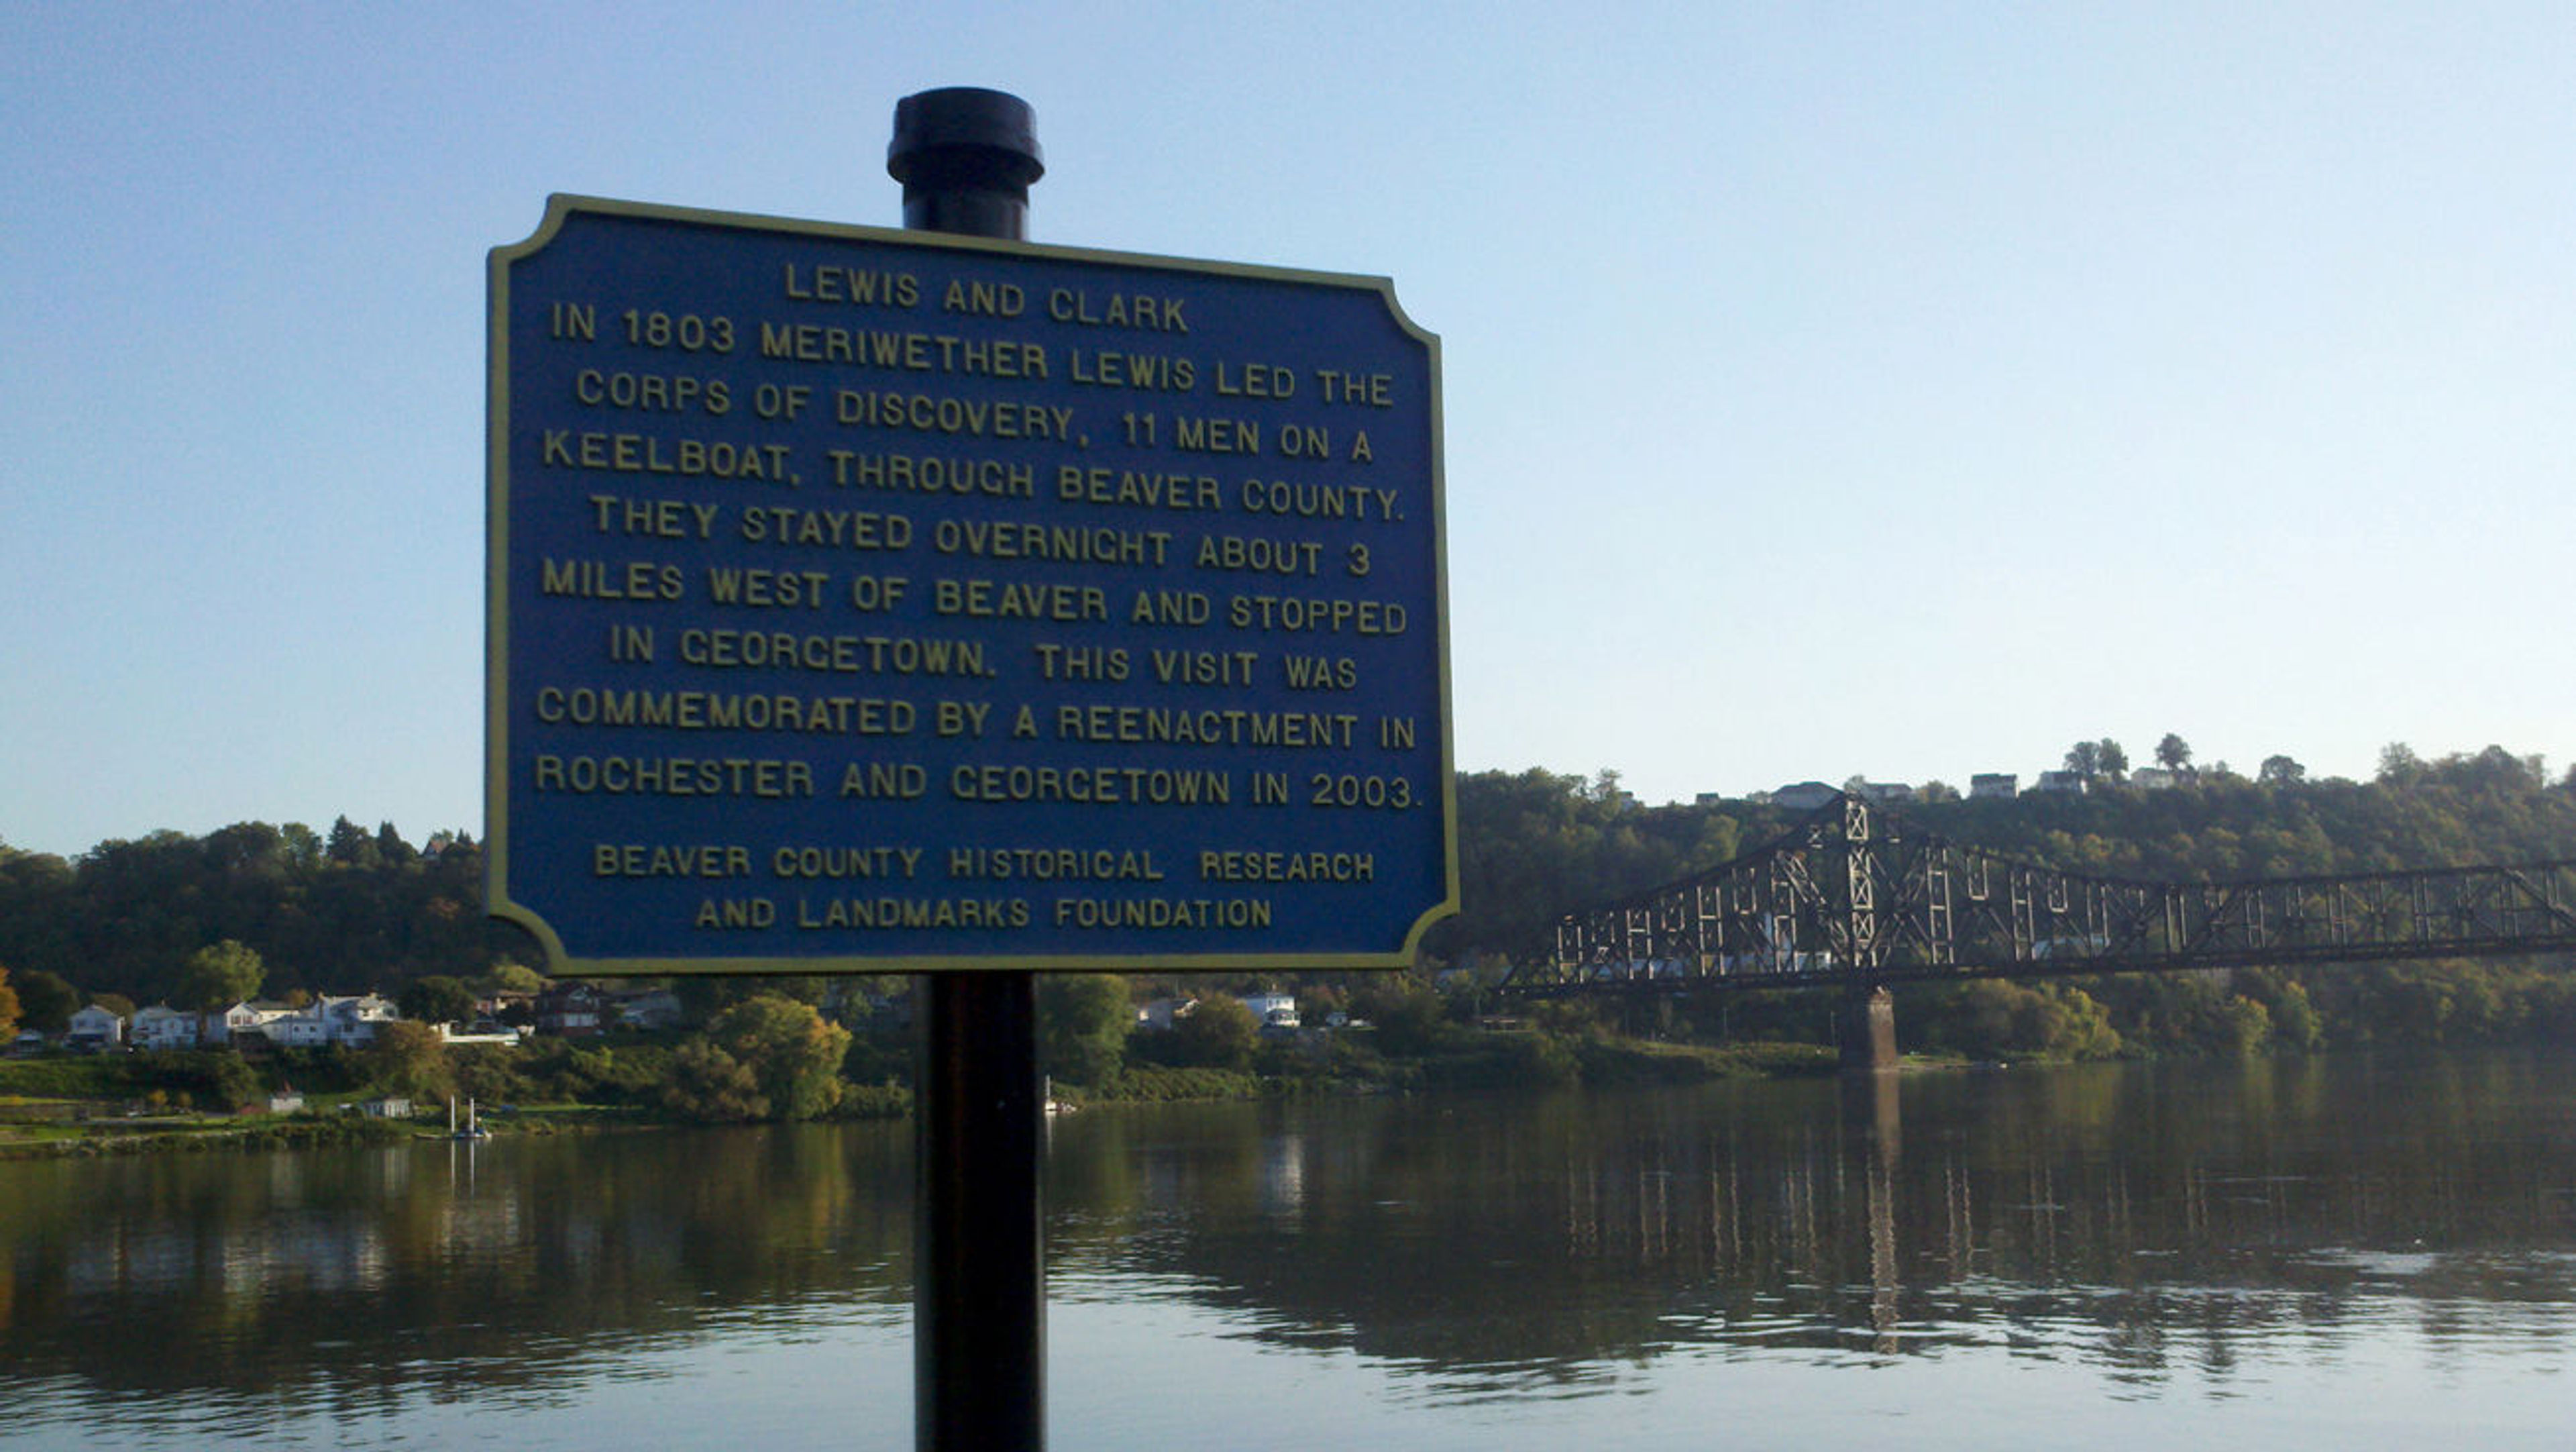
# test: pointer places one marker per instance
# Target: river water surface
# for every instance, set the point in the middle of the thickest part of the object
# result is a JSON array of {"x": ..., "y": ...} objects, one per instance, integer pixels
[{"x": 2339, "y": 1252}]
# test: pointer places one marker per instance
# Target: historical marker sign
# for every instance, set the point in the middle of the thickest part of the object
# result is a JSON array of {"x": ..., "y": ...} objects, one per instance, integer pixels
[{"x": 868, "y": 599}]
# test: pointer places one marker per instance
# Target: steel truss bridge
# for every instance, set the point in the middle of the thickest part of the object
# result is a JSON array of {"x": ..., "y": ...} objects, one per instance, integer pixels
[{"x": 1852, "y": 896}]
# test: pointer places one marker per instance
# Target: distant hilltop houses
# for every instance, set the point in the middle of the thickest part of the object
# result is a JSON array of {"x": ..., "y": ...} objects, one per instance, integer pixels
[
  {"x": 1275, "y": 1013},
  {"x": 1807, "y": 796},
  {"x": 352, "y": 1021},
  {"x": 349, "y": 1021}
]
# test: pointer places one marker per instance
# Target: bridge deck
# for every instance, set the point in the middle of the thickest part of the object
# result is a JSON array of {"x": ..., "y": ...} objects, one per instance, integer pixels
[{"x": 1852, "y": 896}]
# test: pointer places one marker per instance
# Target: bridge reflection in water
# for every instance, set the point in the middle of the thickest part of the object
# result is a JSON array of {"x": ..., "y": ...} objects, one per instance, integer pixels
[
  {"x": 2144, "y": 1220},
  {"x": 1854, "y": 897}
]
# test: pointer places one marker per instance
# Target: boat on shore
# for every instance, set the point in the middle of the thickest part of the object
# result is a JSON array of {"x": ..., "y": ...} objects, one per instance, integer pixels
[{"x": 471, "y": 1129}]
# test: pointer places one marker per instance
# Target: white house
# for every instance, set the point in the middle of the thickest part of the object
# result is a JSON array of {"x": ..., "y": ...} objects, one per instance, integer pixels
[
  {"x": 2059, "y": 781},
  {"x": 1272, "y": 1010},
  {"x": 164, "y": 1027},
  {"x": 96, "y": 1028},
  {"x": 350, "y": 1021},
  {"x": 2003, "y": 784},
  {"x": 448, "y": 1033},
  {"x": 305, "y": 1028},
  {"x": 251, "y": 1020},
  {"x": 354, "y": 1020}
]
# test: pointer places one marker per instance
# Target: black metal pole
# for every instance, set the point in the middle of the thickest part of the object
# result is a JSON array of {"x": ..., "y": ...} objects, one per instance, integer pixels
[{"x": 966, "y": 157}]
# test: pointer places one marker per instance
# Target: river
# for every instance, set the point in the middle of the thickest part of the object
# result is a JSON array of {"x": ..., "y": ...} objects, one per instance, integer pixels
[{"x": 2336, "y": 1252}]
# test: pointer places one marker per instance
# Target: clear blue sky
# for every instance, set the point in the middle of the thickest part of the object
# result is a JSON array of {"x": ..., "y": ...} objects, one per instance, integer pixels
[{"x": 1907, "y": 390}]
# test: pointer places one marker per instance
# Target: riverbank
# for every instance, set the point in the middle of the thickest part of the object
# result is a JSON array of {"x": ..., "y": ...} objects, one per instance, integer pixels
[
  {"x": 114, "y": 1105},
  {"x": 54, "y": 1129},
  {"x": 76, "y": 1134}
]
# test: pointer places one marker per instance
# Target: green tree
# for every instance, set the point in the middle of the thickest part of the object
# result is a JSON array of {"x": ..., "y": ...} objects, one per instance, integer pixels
[
  {"x": 2081, "y": 1026},
  {"x": 216, "y": 977},
  {"x": 349, "y": 845},
  {"x": 709, "y": 1084},
  {"x": 1993, "y": 1018},
  {"x": 2113, "y": 759},
  {"x": 302, "y": 846},
  {"x": 2399, "y": 766},
  {"x": 436, "y": 999},
  {"x": 2294, "y": 1020},
  {"x": 1406, "y": 1011},
  {"x": 1318, "y": 1002},
  {"x": 2174, "y": 754},
  {"x": 792, "y": 1055},
  {"x": 2280, "y": 771},
  {"x": 508, "y": 976},
  {"x": 1218, "y": 1032},
  {"x": 8, "y": 1007},
  {"x": 410, "y": 1059},
  {"x": 2248, "y": 1024},
  {"x": 229, "y": 1083},
  {"x": 1083, "y": 1022},
  {"x": 46, "y": 1001}
]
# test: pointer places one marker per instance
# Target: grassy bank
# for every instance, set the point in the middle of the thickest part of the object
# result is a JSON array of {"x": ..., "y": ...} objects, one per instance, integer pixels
[
  {"x": 127, "y": 1103},
  {"x": 71, "y": 1135},
  {"x": 1459, "y": 1060}
]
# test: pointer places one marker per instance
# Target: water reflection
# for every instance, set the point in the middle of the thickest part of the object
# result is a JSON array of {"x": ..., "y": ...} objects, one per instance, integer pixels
[
  {"x": 2138, "y": 1220},
  {"x": 507, "y": 1269},
  {"x": 2134, "y": 1217}
]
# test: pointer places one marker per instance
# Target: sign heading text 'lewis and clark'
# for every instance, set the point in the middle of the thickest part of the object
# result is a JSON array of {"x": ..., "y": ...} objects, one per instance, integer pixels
[{"x": 878, "y": 599}]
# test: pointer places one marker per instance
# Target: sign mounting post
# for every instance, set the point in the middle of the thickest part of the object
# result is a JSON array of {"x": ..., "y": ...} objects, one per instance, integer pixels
[
  {"x": 966, "y": 159},
  {"x": 931, "y": 601}
]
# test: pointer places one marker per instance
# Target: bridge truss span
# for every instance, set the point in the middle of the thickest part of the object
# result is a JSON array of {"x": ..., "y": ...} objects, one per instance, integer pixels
[{"x": 1852, "y": 895}]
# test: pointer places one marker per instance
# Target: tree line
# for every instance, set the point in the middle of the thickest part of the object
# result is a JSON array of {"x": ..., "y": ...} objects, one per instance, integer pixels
[
  {"x": 344, "y": 911},
  {"x": 347, "y": 910},
  {"x": 1536, "y": 845}
]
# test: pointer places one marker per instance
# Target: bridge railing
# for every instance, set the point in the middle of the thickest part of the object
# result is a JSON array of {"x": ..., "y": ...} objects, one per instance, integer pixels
[{"x": 1850, "y": 894}]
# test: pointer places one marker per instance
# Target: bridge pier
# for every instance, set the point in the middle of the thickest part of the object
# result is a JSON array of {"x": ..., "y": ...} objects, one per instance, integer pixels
[{"x": 1865, "y": 1031}]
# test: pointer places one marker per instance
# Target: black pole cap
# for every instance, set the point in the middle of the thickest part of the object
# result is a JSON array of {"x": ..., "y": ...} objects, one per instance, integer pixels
[{"x": 965, "y": 156}]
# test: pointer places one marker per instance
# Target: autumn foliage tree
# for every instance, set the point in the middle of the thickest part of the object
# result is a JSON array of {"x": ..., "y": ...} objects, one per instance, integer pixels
[{"x": 767, "y": 1057}]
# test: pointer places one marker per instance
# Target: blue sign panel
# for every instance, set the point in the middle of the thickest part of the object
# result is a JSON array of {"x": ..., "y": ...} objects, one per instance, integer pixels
[{"x": 866, "y": 599}]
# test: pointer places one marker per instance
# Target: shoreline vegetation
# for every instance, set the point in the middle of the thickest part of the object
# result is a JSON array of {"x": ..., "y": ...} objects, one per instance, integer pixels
[
  {"x": 206, "y": 922},
  {"x": 100, "y": 1105}
]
